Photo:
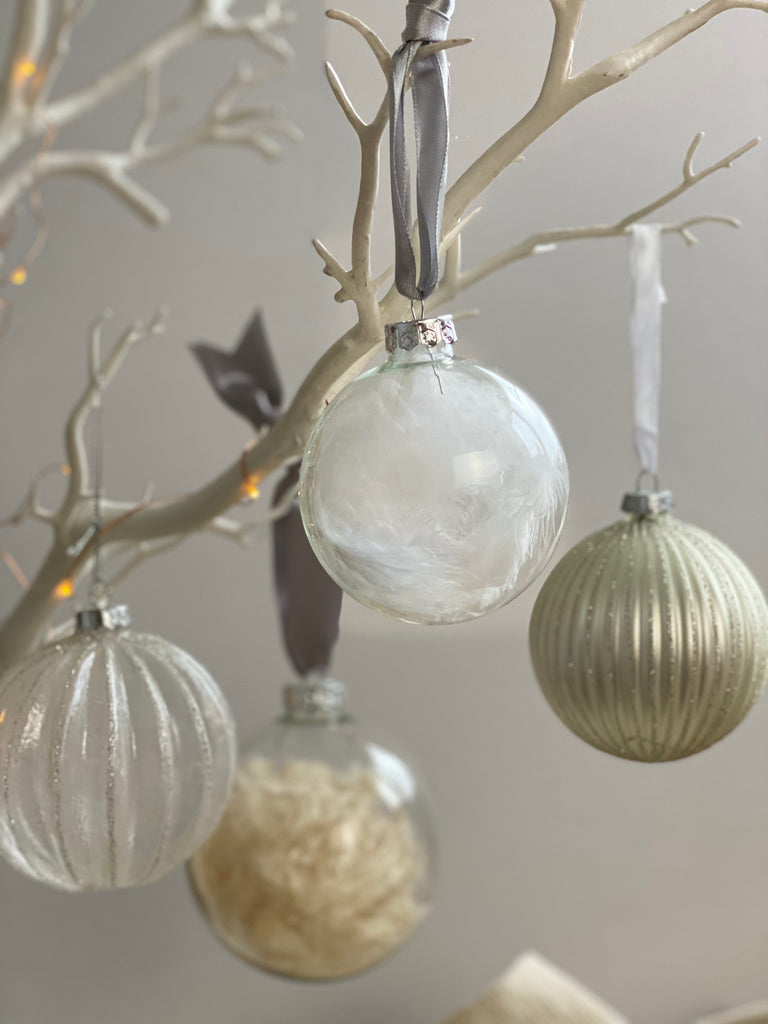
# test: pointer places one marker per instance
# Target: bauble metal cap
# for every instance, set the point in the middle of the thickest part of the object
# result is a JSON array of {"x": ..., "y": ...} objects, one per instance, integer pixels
[
  {"x": 407, "y": 334},
  {"x": 315, "y": 696},
  {"x": 648, "y": 503},
  {"x": 117, "y": 617}
]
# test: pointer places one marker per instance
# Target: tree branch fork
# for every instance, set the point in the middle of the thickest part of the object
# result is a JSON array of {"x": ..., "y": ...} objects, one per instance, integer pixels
[{"x": 136, "y": 532}]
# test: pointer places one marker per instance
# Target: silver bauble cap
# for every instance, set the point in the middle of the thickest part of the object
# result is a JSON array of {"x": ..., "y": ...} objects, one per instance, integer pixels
[
  {"x": 407, "y": 334},
  {"x": 315, "y": 696},
  {"x": 117, "y": 617},
  {"x": 648, "y": 503}
]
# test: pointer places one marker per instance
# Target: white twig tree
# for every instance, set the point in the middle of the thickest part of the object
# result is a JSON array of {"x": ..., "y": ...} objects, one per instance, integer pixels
[{"x": 134, "y": 532}]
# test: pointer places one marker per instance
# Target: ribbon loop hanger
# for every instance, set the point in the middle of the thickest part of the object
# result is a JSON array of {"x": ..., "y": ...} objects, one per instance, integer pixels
[
  {"x": 645, "y": 331},
  {"x": 427, "y": 21}
]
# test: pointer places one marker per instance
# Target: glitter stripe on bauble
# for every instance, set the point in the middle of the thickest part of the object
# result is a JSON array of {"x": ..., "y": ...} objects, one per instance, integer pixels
[
  {"x": 650, "y": 638},
  {"x": 117, "y": 751}
]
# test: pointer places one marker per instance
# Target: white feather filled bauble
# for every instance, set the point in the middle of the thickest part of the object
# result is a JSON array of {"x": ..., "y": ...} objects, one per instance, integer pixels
[
  {"x": 650, "y": 638},
  {"x": 117, "y": 751},
  {"x": 432, "y": 489}
]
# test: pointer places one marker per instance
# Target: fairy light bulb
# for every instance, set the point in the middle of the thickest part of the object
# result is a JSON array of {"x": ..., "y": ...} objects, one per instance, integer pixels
[
  {"x": 432, "y": 489},
  {"x": 322, "y": 863},
  {"x": 24, "y": 70},
  {"x": 64, "y": 589},
  {"x": 251, "y": 489}
]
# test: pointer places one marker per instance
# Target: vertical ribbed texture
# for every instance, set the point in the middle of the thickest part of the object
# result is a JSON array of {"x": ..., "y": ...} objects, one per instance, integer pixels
[
  {"x": 650, "y": 639},
  {"x": 117, "y": 751}
]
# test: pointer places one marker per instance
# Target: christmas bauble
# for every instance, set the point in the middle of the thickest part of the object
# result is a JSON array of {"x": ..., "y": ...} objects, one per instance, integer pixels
[
  {"x": 650, "y": 638},
  {"x": 322, "y": 864},
  {"x": 432, "y": 489},
  {"x": 117, "y": 752}
]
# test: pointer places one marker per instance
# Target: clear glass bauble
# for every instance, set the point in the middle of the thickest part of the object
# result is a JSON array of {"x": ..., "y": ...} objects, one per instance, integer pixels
[
  {"x": 433, "y": 490},
  {"x": 322, "y": 864},
  {"x": 117, "y": 751}
]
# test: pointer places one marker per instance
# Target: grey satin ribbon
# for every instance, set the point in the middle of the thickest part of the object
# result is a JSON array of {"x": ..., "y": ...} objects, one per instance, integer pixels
[
  {"x": 645, "y": 330},
  {"x": 427, "y": 21}
]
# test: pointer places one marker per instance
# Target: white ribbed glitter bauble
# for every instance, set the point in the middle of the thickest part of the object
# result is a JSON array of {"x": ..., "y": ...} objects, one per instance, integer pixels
[
  {"x": 117, "y": 751},
  {"x": 322, "y": 864},
  {"x": 432, "y": 489},
  {"x": 650, "y": 638}
]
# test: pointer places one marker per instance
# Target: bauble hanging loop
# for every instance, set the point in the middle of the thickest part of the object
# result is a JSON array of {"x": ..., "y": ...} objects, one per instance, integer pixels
[
  {"x": 432, "y": 489},
  {"x": 117, "y": 750},
  {"x": 650, "y": 638}
]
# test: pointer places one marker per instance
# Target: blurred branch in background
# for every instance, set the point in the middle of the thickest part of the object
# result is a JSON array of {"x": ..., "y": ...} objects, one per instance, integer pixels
[{"x": 30, "y": 119}]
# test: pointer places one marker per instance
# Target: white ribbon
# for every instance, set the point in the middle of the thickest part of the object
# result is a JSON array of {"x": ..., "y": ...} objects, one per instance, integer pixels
[{"x": 645, "y": 330}]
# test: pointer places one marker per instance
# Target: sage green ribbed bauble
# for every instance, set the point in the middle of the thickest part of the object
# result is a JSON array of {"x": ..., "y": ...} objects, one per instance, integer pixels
[{"x": 650, "y": 638}]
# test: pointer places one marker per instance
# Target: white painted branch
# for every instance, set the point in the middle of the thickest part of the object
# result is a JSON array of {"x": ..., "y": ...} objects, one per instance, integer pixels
[
  {"x": 30, "y": 34},
  {"x": 343, "y": 100},
  {"x": 357, "y": 283},
  {"x": 567, "y": 20},
  {"x": 689, "y": 178},
  {"x": 32, "y": 23},
  {"x": 69, "y": 14},
  {"x": 191, "y": 28},
  {"x": 555, "y": 101},
  {"x": 101, "y": 374},
  {"x": 176, "y": 517},
  {"x": 26, "y": 112},
  {"x": 254, "y": 127},
  {"x": 379, "y": 50},
  {"x": 31, "y": 506},
  {"x": 334, "y": 269},
  {"x": 620, "y": 66},
  {"x": 109, "y": 170},
  {"x": 456, "y": 280},
  {"x": 286, "y": 440}
]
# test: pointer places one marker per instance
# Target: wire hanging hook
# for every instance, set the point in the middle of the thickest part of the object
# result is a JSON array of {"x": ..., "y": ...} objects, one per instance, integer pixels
[
  {"x": 654, "y": 479},
  {"x": 413, "y": 309}
]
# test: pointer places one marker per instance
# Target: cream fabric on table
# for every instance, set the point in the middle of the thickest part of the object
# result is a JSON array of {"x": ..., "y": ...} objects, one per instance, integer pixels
[{"x": 534, "y": 991}]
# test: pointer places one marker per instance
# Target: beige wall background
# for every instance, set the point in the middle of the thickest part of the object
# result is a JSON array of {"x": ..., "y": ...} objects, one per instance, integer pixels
[{"x": 648, "y": 883}]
